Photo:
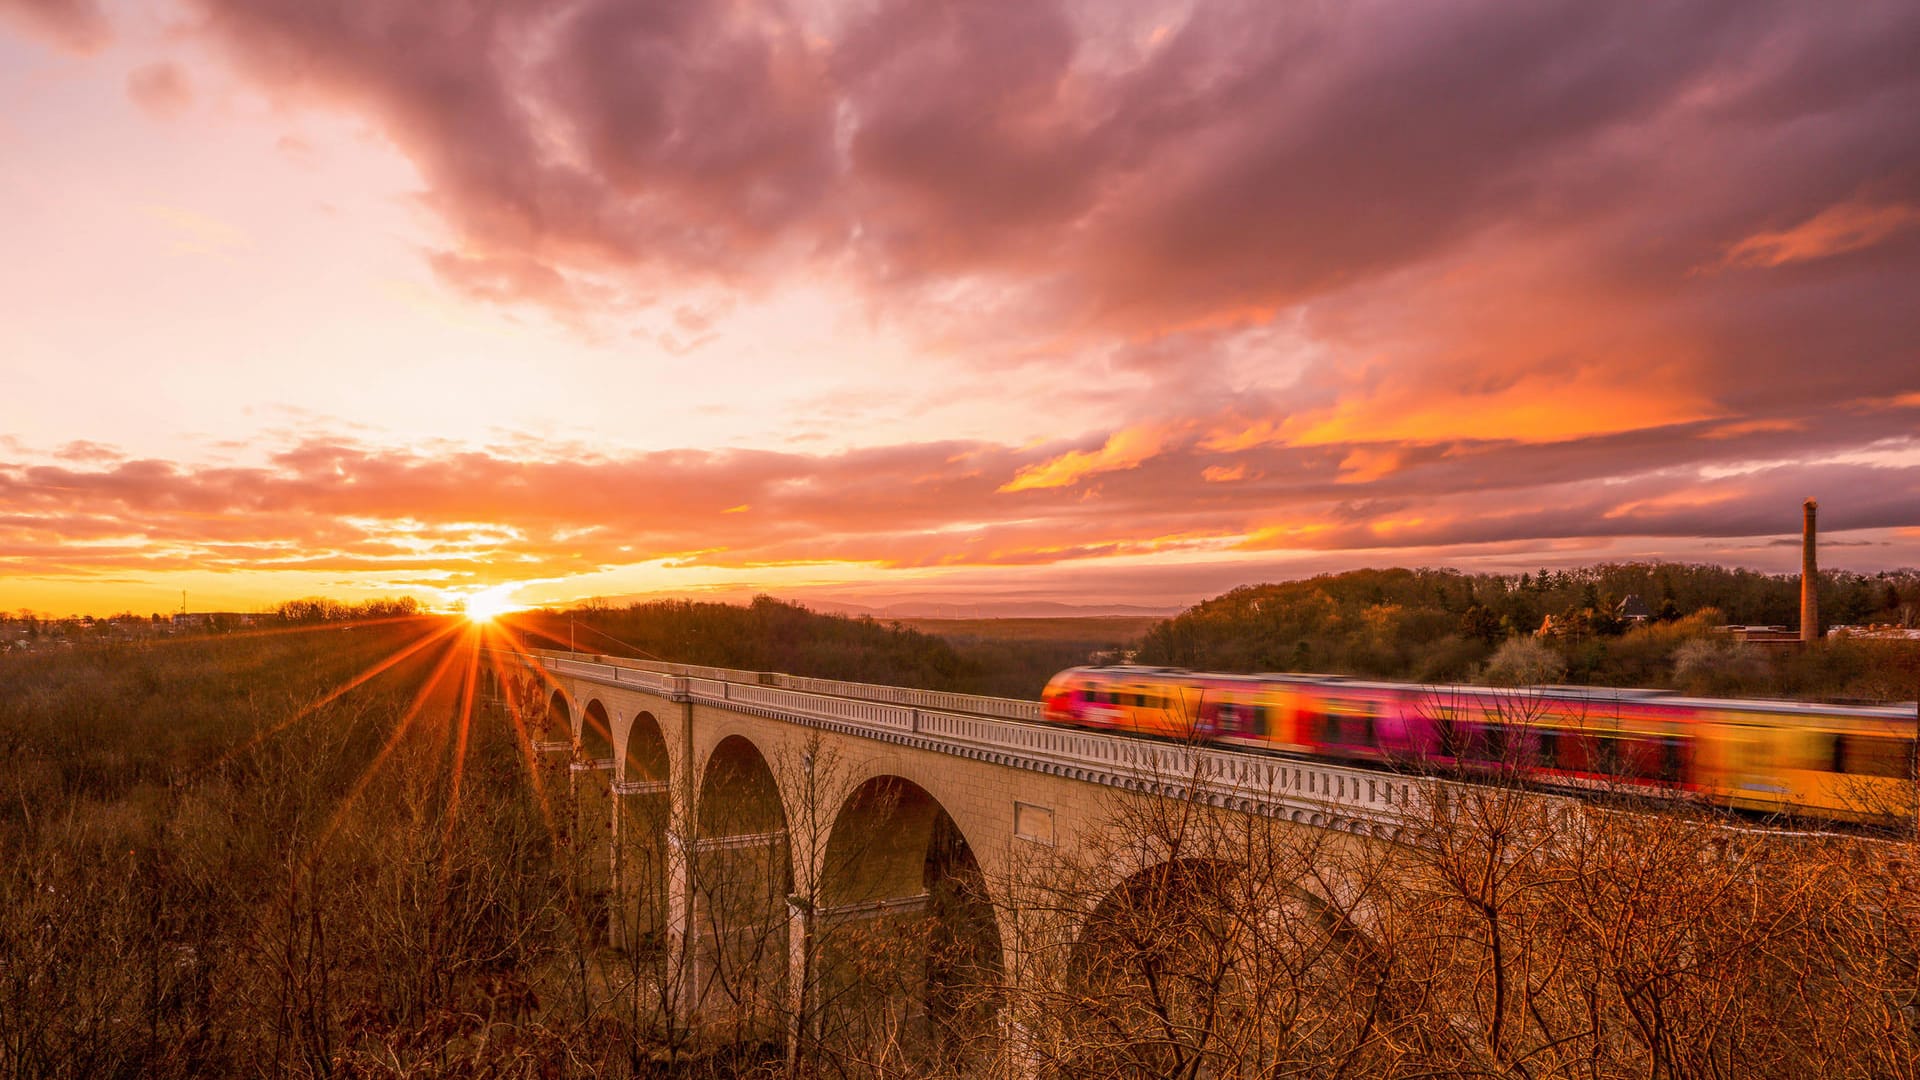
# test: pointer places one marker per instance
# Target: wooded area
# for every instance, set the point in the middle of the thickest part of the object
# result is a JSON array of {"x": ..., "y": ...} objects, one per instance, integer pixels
[
  {"x": 1445, "y": 626},
  {"x": 313, "y": 852},
  {"x": 773, "y": 635}
]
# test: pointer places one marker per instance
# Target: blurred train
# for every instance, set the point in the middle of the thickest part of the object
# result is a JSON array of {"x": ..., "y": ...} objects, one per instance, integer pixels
[{"x": 1826, "y": 761}]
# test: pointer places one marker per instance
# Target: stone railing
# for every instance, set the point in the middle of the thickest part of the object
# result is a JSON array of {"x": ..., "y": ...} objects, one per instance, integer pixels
[
  {"x": 1313, "y": 792},
  {"x": 633, "y": 671}
]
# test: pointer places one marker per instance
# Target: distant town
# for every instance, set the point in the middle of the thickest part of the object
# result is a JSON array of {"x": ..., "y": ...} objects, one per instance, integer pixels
[{"x": 28, "y": 631}]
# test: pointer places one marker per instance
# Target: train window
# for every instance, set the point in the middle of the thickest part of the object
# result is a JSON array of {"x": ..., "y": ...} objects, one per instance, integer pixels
[
  {"x": 1350, "y": 730},
  {"x": 1672, "y": 762},
  {"x": 1604, "y": 756},
  {"x": 1499, "y": 739},
  {"x": 1547, "y": 747},
  {"x": 1874, "y": 755}
]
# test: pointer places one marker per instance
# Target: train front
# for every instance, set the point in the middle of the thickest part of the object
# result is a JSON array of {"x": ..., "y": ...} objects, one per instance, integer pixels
[{"x": 1058, "y": 703}]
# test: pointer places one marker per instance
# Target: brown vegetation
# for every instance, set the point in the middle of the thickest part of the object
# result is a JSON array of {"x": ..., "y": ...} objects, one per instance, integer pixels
[{"x": 220, "y": 862}]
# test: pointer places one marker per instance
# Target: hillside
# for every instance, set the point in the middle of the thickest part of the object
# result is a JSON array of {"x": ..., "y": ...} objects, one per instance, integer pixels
[
  {"x": 1442, "y": 625},
  {"x": 1004, "y": 658}
]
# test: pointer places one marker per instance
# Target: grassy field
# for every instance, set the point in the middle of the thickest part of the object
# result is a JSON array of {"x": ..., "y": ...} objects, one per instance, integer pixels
[{"x": 291, "y": 853}]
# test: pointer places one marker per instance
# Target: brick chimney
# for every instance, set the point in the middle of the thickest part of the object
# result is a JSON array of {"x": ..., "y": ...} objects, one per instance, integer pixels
[{"x": 1809, "y": 581}]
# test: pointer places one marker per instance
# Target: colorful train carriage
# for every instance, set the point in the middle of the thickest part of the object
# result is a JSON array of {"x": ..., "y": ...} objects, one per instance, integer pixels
[{"x": 1829, "y": 761}]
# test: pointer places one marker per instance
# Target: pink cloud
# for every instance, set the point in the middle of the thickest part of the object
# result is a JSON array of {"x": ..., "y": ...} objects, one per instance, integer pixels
[
  {"x": 77, "y": 25},
  {"x": 1485, "y": 221},
  {"x": 162, "y": 89}
]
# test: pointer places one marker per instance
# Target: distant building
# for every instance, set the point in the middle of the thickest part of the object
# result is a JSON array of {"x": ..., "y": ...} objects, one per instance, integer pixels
[
  {"x": 1876, "y": 632},
  {"x": 1771, "y": 637},
  {"x": 1633, "y": 609}
]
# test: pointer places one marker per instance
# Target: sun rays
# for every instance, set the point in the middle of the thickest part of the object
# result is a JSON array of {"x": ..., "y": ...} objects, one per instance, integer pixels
[{"x": 444, "y": 670}]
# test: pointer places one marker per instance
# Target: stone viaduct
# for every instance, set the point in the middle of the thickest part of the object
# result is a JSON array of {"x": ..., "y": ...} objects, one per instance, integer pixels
[{"x": 746, "y": 827}]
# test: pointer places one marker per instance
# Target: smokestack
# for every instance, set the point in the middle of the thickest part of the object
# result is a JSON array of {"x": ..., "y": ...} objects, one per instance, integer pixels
[{"x": 1809, "y": 582}]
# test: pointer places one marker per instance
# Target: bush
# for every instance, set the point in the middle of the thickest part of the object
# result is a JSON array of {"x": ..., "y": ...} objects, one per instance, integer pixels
[
  {"x": 1718, "y": 666},
  {"x": 1524, "y": 662}
]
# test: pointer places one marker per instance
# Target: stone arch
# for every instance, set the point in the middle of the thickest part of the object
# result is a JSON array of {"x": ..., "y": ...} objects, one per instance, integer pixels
[
  {"x": 644, "y": 756},
  {"x": 904, "y": 944},
  {"x": 740, "y": 868},
  {"x": 557, "y": 726},
  {"x": 1178, "y": 953},
  {"x": 643, "y": 811},
  {"x": 595, "y": 739}
]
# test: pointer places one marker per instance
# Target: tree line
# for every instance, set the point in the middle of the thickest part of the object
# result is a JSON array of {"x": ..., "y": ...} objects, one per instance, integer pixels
[
  {"x": 775, "y": 635},
  {"x": 1446, "y": 626}
]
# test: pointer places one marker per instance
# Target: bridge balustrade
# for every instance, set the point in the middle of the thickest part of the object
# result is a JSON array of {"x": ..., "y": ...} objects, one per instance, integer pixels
[{"x": 1316, "y": 792}]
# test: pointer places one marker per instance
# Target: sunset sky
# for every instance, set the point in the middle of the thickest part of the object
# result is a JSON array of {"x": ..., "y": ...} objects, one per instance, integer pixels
[{"x": 1095, "y": 302}]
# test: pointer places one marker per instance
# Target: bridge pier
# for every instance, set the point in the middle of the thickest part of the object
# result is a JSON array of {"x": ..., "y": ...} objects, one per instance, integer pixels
[
  {"x": 727, "y": 933},
  {"x": 642, "y": 814},
  {"x": 591, "y": 847}
]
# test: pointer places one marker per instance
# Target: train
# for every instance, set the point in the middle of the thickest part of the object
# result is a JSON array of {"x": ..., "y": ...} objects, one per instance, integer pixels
[{"x": 1830, "y": 762}]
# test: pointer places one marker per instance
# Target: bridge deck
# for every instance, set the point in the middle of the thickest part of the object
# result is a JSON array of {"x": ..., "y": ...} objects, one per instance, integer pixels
[{"x": 1008, "y": 732}]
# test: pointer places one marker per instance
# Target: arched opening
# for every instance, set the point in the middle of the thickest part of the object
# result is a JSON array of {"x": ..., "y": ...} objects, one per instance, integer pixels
[
  {"x": 523, "y": 705},
  {"x": 904, "y": 948},
  {"x": 592, "y": 849},
  {"x": 558, "y": 727},
  {"x": 1181, "y": 960},
  {"x": 550, "y": 731},
  {"x": 596, "y": 735},
  {"x": 643, "y": 801},
  {"x": 741, "y": 869}
]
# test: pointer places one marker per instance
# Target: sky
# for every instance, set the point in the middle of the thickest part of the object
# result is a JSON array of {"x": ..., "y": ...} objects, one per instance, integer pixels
[{"x": 998, "y": 302}]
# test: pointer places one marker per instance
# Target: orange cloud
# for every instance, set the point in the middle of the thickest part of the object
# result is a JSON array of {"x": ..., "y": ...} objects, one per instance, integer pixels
[
  {"x": 1366, "y": 464},
  {"x": 1124, "y": 449},
  {"x": 1223, "y": 474},
  {"x": 1833, "y": 231},
  {"x": 334, "y": 514},
  {"x": 1533, "y": 408}
]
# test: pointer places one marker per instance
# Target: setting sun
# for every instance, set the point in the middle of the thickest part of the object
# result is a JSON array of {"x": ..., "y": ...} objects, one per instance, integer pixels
[{"x": 489, "y": 604}]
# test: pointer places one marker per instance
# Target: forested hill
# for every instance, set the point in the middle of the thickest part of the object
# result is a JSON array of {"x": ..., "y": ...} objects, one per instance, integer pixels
[
  {"x": 766, "y": 635},
  {"x": 1431, "y": 625},
  {"x": 771, "y": 635},
  {"x": 1424, "y": 625}
]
